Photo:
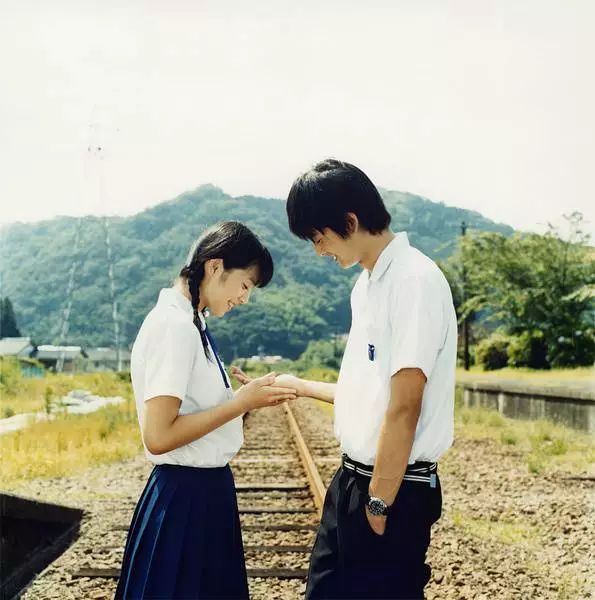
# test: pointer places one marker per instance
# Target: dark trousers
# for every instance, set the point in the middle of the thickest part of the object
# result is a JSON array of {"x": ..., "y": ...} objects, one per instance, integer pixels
[{"x": 350, "y": 561}]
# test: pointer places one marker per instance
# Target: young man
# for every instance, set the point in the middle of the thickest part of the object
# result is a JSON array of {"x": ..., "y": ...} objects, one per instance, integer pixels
[{"x": 394, "y": 399}]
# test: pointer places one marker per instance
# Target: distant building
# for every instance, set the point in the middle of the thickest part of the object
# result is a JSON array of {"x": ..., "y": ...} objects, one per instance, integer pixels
[
  {"x": 75, "y": 357},
  {"x": 23, "y": 350},
  {"x": 20, "y": 347},
  {"x": 106, "y": 359},
  {"x": 49, "y": 356},
  {"x": 267, "y": 360}
]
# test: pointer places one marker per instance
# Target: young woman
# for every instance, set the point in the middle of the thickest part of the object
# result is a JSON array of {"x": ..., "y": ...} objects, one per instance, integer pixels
[{"x": 184, "y": 540}]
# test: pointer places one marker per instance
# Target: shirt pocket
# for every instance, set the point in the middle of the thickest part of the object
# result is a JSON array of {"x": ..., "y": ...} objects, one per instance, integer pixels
[{"x": 378, "y": 347}]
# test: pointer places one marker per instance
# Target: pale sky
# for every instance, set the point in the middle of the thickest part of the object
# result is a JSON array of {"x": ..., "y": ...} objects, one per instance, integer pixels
[{"x": 486, "y": 105}]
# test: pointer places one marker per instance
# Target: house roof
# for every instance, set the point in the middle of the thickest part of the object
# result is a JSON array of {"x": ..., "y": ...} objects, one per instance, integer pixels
[
  {"x": 13, "y": 346},
  {"x": 49, "y": 352},
  {"x": 106, "y": 354}
]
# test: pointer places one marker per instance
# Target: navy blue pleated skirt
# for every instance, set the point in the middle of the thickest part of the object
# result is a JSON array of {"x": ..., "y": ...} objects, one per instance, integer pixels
[{"x": 184, "y": 540}]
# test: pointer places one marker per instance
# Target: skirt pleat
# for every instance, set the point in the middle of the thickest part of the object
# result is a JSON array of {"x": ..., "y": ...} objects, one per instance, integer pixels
[{"x": 185, "y": 540}]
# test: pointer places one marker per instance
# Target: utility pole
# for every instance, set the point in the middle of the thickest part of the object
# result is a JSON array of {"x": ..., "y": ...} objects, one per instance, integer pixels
[{"x": 466, "y": 319}]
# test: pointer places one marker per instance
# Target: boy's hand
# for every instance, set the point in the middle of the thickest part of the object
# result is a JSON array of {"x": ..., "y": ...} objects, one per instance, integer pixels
[
  {"x": 291, "y": 381},
  {"x": 376, "y": 522}
]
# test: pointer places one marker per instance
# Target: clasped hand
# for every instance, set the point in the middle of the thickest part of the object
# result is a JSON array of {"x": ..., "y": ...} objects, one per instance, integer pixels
[
  {"x": 269, "y": 390},
  {"x": 283, "y": 380}
]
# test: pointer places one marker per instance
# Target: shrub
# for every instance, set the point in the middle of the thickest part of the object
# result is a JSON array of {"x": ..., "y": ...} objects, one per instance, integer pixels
[
  {"x": 509, "y": 437},
  {"x": 323, "y": 354},
  {"x": 8, "y": 412},
  {"x": 10, "y": 375},
  {"x": 572, "y": 349},
  {"x": 528, "y": 349},
  {"x": 492, "y": 352}
]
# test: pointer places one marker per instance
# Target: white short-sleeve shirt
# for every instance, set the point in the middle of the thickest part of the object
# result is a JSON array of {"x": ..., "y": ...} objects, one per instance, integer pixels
[
  {"x": 168, "y": 359},
  {"x": 402, "y": 317}
]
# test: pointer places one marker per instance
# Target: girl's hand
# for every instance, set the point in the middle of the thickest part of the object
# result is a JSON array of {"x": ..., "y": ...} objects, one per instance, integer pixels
[
  {"x": 240, "y": 375},
  {"x": 262, "y": 392}
]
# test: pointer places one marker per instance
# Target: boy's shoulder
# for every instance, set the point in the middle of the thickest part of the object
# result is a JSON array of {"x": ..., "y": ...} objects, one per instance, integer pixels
[{"x": 417, "y": 269}]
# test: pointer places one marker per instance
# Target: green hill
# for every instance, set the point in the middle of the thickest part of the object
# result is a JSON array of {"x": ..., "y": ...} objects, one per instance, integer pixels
[{"x": 308, "y": 299}]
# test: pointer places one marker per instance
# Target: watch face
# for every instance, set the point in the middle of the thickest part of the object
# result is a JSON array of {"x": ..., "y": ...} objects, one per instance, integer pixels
[{"x": 376, "y": 506}]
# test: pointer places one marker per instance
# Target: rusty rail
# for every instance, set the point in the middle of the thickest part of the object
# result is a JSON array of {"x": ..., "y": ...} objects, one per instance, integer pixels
[
  {"x": 316, "y": 486},
  {"x": 317, "y": 489}
]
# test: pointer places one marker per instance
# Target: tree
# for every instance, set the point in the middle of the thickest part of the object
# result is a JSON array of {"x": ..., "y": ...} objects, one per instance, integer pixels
[
  {"x": 322, "y": 353},
  {"x": 308, "y": 298},
  {"x": 540, "y": 288},
  {"x": 8, "y": 322}
]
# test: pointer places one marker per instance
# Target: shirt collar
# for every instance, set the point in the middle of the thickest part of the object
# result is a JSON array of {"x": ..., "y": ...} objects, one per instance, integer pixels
[
  {"x": 173, "y": 297},
  {"x": 393, "y": 251}
]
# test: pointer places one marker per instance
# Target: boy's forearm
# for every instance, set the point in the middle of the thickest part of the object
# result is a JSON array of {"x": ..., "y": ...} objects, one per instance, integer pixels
[
  {"x": 320, "y": 390},
  {"x": 392, "y": 455},
  {"x": 397, "y": 434}
]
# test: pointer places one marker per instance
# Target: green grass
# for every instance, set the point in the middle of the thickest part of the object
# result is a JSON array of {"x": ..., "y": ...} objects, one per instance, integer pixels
[
  {"x": 582, "y": 374},
  {"x": 502, "y": 531},
  {"x": 544, "y": 445}
]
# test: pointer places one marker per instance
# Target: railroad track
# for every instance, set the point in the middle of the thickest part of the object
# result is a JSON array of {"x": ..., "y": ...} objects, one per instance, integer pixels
[{"x": 281, "y": 475}]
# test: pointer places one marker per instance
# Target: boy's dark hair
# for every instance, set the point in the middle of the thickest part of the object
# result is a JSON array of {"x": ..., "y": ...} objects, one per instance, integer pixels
[{"x": 322, "y": 197}]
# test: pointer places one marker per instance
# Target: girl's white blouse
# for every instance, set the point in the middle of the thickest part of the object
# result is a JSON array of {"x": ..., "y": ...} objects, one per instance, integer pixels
[{"x": 168, "y": 359}]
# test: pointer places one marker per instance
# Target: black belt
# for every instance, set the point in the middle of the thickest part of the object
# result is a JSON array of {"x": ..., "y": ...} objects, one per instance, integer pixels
[{"x": 420, "y": 471}]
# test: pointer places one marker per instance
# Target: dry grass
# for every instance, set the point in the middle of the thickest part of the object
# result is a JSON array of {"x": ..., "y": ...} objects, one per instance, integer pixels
[
  {"x": 65, "y": 444},
  {"x": 69, "y": 444},
  {"x": 21, "y": 395}
]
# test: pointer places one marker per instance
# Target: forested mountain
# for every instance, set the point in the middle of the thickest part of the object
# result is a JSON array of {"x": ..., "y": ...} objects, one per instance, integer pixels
[{"x": 308, "y": 298}]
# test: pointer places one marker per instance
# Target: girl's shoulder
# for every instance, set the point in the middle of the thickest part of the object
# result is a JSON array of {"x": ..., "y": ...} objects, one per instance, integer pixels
[{"x": 168, "y": 322}]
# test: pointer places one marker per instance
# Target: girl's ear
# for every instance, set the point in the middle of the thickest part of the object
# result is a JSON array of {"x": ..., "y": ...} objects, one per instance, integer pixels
[{"x": 213, "y": 267}]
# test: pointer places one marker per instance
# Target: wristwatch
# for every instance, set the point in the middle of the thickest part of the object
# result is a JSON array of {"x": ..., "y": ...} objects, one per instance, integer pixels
[{"x": 377, "y": 506}]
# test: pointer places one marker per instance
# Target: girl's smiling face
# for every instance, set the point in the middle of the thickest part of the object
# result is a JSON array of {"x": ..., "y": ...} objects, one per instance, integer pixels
[{"x": 222, "y": 290}]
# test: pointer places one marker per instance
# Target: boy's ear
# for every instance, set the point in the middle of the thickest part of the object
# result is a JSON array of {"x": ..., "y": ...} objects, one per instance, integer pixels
[{"x": 352, "y": 223}]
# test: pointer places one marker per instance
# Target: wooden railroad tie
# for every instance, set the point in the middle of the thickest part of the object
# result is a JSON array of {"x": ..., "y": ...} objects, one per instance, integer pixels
[
  {"x": 248, "y": 548},
  {"x": 262, "y": 573}
]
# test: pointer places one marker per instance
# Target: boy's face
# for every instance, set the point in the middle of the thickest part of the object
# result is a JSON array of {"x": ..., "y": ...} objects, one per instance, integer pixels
[{"x": 345, "y": 251}]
